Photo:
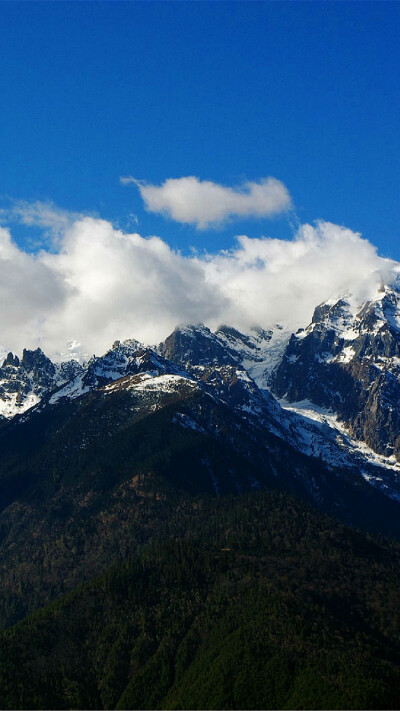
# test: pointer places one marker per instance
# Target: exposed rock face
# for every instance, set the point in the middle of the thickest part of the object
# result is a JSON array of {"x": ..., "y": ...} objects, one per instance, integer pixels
[
  {"x": 127, "y": 358},
  {"x": 11, "y": 360},
  {"x": 196, "y": 345},
  {"x": 349, "y": 362},
  {"x": 258, "y": 352},
  {"x": 69, "y": 370},
  {"x": 24, "y": 382}
]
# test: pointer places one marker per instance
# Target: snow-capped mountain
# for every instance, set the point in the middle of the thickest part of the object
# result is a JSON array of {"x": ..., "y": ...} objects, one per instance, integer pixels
[
  {"x": 258, "y": 352},
  {"x": 348, "y": 362},
  {"x": 24, "y": 382},
  {"x": 330, "y": 392}
]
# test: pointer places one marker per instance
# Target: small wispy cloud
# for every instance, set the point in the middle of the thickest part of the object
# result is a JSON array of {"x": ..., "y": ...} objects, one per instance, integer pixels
[
  {"x": 43, "y": 214},
  {"x": 125, "y": 180},
  {"x": 204, "y": 203}
]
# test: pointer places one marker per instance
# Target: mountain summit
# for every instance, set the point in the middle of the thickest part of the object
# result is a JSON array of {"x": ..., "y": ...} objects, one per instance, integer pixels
[{"x": 348, "y": 361}]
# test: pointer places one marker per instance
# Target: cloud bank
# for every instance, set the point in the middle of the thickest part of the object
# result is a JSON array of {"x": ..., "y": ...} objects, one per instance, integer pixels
[
  {"x": 102, "y": 284},
  {"x": 204, "y": 203}
]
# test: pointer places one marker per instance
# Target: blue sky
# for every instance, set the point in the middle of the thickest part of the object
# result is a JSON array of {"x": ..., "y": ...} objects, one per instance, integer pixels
[
  {"x": 229, "y": 92},
  {"x": 232, "y": 125}
]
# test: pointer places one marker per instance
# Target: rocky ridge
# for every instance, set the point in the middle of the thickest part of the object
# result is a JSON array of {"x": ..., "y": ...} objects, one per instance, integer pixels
[
  {"x": 220, "y": 366},
  {"x": 24, "y": 382},
  {"x": 335, "y": 385},
  {"x": 347, "y": 361}
]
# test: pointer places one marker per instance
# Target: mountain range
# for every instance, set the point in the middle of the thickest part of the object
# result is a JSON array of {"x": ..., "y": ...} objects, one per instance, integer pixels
[
  {"x": 330, "y": 391},
  {"x": 100, "y": 459}
]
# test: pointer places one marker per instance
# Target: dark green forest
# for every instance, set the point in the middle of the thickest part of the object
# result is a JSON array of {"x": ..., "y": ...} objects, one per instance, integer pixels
[
  {"x": 253, "y": 602},
  {"x": 145, "y": 565}
]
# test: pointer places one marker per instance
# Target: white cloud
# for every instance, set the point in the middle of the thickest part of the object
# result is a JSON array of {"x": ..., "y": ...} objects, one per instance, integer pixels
[
  {"x": 270, "y": 280},
  {"x": 122, "y": 285},
  {"x": 39, "y": 214},
  {"x": 30, "y": 292},
  {"x": 102, "y": 284},
  {"x": 204, "y": 203}
]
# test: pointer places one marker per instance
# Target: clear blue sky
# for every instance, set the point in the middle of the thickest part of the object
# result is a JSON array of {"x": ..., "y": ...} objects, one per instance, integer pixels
[{"x": 306, "y": 92}]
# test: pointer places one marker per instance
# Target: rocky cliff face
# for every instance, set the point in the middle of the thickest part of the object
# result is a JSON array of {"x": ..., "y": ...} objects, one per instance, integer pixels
[
  {"x": 348, "y": 361},
  {"x": 23, "y": 383},
  {"x": 258, "y": 352},
  {"x": 196, "y": 345}
]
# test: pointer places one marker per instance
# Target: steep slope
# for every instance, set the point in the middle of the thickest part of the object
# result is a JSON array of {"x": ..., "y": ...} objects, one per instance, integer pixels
[
  {"x": 196, "y": 345},
  {"x": 257, "y": 352},
  {"x": 85, "y": 478},
  {"x": 23, "y": 383},
  {"x": 347, "y": 361},
  {"x": 316, "y": 432},
  {"x": 257, "y": 602}
]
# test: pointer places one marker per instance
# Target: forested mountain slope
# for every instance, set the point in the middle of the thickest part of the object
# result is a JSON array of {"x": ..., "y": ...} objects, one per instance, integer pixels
[{"x": 253, "y": 602}]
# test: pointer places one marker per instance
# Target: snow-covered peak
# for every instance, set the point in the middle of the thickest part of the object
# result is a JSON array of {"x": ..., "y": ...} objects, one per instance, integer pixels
[
  {"x": 348, "y": 317},
  {"x": 24, "y": 381},
  {"x": 194, "y": 345},
  {"x": 128, "y": 347},
  {"x": 259, "y": 351},
  {"x": 241, "y": 342},
  {"x": 124, "y": 358},
  {"x": 382, "y": 312},
  {"x": 348, "y": 360},
  {"x": 193, "y": 330}
]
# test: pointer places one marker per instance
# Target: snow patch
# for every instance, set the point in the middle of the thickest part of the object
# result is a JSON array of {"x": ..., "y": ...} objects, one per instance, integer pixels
[
  {"x": 11, "y": 405},
  {"x": 70, "y": 390},
  {"x": 319, "y": 433},
  {"x": 187, "y": 422},
  {"x": 346, "y": 355}
]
